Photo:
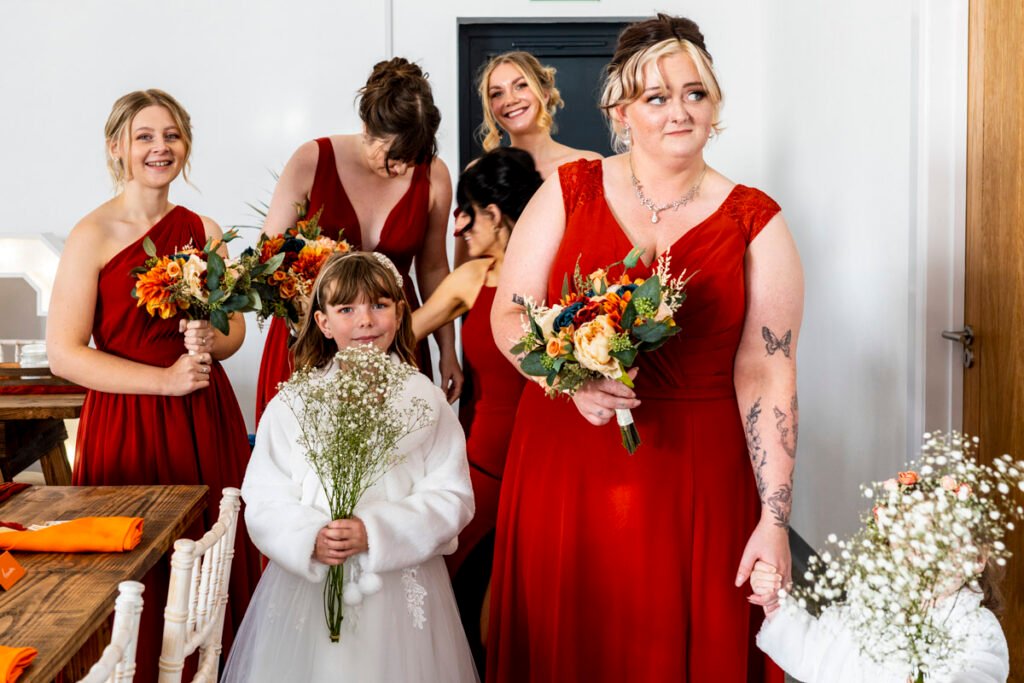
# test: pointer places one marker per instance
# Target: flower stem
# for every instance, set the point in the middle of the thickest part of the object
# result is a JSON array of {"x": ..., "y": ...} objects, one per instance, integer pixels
[{"x": 333, "y": 602}]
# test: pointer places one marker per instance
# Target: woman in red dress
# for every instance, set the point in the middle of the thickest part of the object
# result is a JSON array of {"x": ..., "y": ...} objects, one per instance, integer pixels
[
  {"x": 519, "y": 99},
  {"x": 491, "y": 195},
  {"x": 611, "y": 567},
  {"x": 383, "y": 189},
  {"x": 154, "y": 414}
]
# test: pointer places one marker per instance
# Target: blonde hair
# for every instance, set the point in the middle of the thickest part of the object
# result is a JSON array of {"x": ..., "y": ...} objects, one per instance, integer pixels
[
  {"x": 624, "y": 83},
  {"x": 343, "y": 279},
  {"x": 539, "y": 78},
  {"x": 118, "y": 127}
]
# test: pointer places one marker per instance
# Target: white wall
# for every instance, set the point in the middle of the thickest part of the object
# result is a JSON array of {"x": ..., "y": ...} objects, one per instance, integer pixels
[{"x": 824, "y": 111}]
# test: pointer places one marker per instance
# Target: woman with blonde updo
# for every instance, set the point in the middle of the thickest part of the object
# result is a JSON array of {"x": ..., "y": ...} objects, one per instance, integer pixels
[
  {"x": 382, "y": 189},
  {"x": 160, "y": 409},
  {"x": 519, "y": 98},
  {"x": 610, "y": 567}
]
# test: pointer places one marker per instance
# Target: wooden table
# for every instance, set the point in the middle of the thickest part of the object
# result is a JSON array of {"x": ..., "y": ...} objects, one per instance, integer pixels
[
  {"x": 64, "y": 598},
  {"x": 31, "y": 429}
]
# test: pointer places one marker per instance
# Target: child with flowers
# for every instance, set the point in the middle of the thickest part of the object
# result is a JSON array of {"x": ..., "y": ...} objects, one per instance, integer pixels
[
  {"x": 400, "y": 618},
  {"x": 911, "y": 596}
]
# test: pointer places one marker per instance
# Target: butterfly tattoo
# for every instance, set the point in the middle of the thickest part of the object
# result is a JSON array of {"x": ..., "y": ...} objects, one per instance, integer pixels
[{"x": 773, "y": 343}]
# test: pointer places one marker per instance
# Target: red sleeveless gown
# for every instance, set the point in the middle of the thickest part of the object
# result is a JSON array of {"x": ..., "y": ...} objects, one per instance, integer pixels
[
  {"x": 400, "y": 240},
  {"x": 200, "y": 438},
  {"x": 496, "y": 386},
  {"x": 610, "y": 567}
]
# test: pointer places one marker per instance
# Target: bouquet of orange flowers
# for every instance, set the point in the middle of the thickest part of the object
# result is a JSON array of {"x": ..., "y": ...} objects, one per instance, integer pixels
[
  {"x": 300, "y": 252},
  {"x": 199, "y": 283},
  {"x": 598, "y": 329}
]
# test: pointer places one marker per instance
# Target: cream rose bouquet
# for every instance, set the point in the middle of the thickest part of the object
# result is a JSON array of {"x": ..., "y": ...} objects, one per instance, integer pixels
[
  {"x": 932, "y": 531},
  {"x": 598, "y": 328},
  {"x": 199, "y": 283}
]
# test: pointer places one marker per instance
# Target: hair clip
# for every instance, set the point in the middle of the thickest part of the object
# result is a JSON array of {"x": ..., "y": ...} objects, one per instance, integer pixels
[{"x": 386, "y": 262}]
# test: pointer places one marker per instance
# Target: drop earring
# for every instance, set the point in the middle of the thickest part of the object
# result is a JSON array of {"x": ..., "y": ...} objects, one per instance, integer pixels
[{"x": 626, "y": 138}]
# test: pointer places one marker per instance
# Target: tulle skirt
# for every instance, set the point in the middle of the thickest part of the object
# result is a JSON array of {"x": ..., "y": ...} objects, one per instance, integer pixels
[{"x": 410, "y": 631}]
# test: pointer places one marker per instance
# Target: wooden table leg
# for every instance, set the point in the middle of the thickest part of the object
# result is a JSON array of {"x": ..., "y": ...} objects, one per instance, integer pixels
[{"x": 56, "y": 470}]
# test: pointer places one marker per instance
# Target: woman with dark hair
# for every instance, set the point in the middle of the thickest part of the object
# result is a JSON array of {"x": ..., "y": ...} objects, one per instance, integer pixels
[
  {"x": 611, "y": 567},
  {"x": 383, "y": 189},
  {"x": 491, "y": 195}
]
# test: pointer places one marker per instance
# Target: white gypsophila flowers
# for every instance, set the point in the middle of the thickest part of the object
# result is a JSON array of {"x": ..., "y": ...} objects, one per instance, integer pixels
[
  {"x": 930, "y": 532},
  {"x": 352, "y": 420}
]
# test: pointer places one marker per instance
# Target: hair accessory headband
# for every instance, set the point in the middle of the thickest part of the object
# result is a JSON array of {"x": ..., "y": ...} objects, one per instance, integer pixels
[{"x": 386, "y": 262}]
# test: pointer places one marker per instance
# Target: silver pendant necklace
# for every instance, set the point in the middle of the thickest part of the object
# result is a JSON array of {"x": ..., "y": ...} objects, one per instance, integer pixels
[{"x": 649, "y": 204}]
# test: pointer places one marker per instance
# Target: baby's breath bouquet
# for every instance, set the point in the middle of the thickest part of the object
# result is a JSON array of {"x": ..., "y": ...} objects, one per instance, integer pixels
[
  {"x": 931, "y": 532},
  {"x": 350, "y": 423}
]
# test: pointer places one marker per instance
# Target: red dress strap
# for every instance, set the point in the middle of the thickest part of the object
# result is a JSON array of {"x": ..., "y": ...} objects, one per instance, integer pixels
[
  {"x": 581, "y": 182},
  {"x": 751, "y": 209}
]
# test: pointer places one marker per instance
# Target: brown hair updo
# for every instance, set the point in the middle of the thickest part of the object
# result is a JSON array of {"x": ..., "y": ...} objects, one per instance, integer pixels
[
  {"x": 397, "y": 101},
  {"x": 648, "y": 41}
]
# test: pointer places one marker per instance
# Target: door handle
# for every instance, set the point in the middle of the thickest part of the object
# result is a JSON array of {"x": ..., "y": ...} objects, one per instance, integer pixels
[{"x": 966, "y": 338}]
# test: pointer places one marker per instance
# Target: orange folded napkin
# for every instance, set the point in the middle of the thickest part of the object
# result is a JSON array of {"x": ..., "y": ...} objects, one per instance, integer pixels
[
  {"x": 85, "y": 535},
  {"x": 14, "y": 660}
]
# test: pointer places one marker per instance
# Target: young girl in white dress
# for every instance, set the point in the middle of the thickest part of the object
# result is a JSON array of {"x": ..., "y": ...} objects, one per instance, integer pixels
[
  {"x": 823, "y": 650},
  {"x": 407, "y": 627}
]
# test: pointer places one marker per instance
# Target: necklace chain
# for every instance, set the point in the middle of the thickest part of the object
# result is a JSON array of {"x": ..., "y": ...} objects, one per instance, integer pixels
[{"x": 649, "y": 204}]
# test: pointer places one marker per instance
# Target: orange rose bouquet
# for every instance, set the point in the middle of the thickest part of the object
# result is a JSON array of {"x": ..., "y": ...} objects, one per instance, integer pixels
[
  {"x": 598, "y": 328},
  {"x": 199, "y": 283},
  {"x": 300, "y": 252}
]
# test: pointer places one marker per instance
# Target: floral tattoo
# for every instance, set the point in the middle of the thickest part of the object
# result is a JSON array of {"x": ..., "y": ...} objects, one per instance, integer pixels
[{"x": 788, "y": 425}]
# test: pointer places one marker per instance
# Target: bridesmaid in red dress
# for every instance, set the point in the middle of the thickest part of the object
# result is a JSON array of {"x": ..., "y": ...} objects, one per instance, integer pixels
[
  {"x": 384, "y": 190},
  {"x": 153, "y": 414},
  {"x": 491, "y": 195},
  {"x": 610, "y": 567}
]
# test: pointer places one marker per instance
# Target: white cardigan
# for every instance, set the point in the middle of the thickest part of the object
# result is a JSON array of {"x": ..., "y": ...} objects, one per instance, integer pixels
[
  {"x": 414, "y": 512},
  {"x": 823, "y": 650}
]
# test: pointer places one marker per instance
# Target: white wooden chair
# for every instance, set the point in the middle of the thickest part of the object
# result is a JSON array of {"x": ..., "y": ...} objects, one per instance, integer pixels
[
  {"x": 117, "y": 663},
  {"x": 198, "y": 595}
]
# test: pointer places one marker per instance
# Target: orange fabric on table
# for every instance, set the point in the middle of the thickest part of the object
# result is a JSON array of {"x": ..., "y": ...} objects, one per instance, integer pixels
[
  {"x": 85, "y": 535},
  {"x": 14, "y": 660}
]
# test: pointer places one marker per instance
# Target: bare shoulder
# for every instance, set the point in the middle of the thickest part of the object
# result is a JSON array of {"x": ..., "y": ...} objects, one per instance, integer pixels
[
  {"x": 440, "y": 177},
  {"x": 305, "y": 157},
  {"x": 585, "y": 154},
  {"x": 438, "y": 167},
  {"x": 211, "y": 228},
  {"x": 472, "y": 271},
  {"x": 94, "y": 230}
]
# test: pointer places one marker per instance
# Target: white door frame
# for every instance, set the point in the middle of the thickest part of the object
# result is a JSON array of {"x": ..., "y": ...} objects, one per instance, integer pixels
[{"x": 938, "y": 215}]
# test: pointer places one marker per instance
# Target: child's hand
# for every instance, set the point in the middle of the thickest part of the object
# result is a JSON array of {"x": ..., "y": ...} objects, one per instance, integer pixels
[
  {"x": 765, "y": 582},
  {"x": 340, "y": 540}
]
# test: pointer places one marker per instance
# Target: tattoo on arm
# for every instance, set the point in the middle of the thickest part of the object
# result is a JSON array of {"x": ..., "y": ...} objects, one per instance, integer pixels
[
  {"x": 758, "y": 456},
  {"x": 781, "y": 504},
  {"x": 774, "y": 343},
  {"x": 788, "y": 425}
]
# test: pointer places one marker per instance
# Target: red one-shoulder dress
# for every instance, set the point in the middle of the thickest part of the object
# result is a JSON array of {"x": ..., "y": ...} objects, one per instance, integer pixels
[{"x": 199, "y": 438}]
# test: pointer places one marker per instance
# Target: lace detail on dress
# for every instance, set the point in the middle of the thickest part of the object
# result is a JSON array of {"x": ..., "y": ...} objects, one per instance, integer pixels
[
  {"x": 751, "y": 209},
  {"x": 581, "y": 183},
  {"x": 415, "y": 594}
]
